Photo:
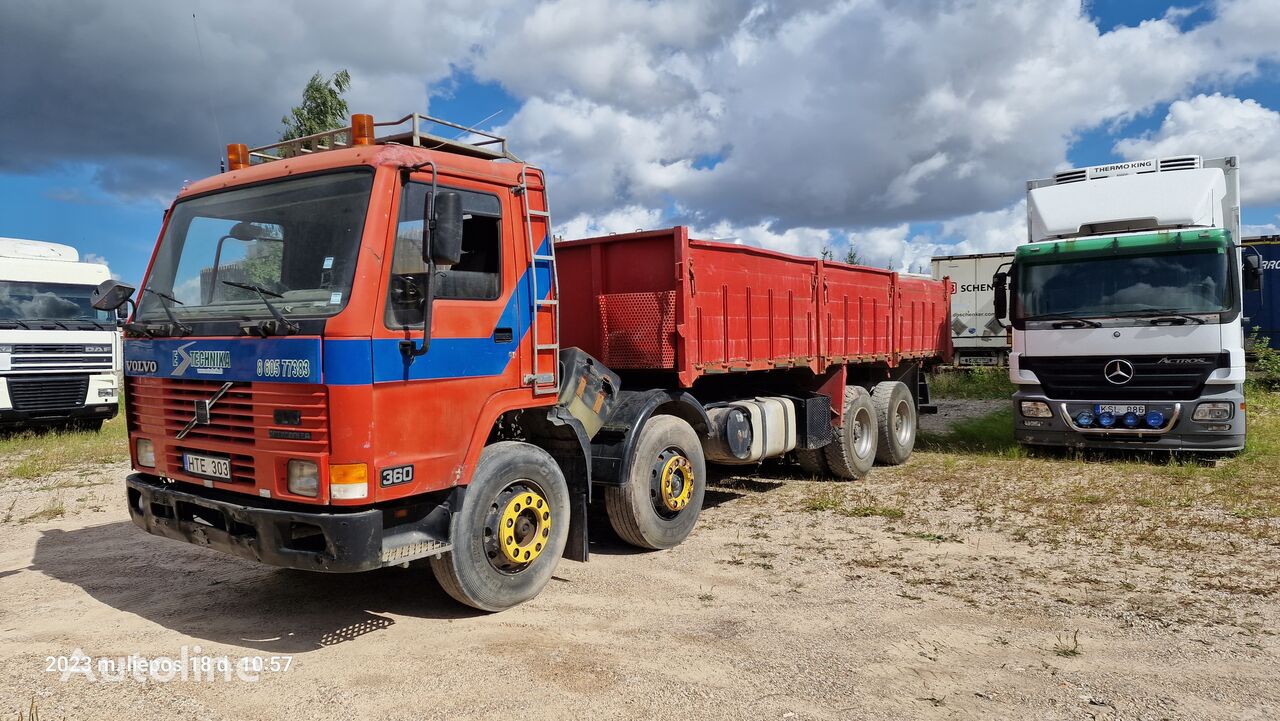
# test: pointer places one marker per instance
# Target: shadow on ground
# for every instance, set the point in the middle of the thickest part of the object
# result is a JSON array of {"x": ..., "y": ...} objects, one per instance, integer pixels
[{"x": 227, "y": 600}]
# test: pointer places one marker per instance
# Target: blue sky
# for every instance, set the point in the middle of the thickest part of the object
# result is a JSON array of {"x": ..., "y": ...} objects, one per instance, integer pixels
[{"x": 571, "y": 117}]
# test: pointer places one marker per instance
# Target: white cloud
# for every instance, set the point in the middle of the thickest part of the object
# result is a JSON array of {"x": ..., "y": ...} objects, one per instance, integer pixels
[
  {"x": 95, "y": 258},
  {"x": 619, "y": 220},
  {"x": 1214, "y": 126},
  {"x": 826, "y": 114}
]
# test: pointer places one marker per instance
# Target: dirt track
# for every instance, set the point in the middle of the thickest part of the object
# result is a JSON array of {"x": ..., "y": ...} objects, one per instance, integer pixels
[{"x": 774, "y": 608}]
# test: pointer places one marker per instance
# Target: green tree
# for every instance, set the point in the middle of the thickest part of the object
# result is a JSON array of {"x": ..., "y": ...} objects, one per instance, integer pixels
[
  {"x": 322, "y": 108},
  {"x": 826, "y": 253},
  {"x": 852, "y": 257}
]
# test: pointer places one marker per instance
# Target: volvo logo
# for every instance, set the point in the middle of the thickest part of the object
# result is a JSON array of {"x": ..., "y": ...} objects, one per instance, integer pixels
[{"x": 1118, "y": 372}]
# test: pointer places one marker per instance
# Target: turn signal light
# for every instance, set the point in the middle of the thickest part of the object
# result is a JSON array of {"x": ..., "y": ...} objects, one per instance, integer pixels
[
  {"x": 348, "y": 481},
  {"x": 237, "y": 156},
  {"x": 361, "y": 129}
]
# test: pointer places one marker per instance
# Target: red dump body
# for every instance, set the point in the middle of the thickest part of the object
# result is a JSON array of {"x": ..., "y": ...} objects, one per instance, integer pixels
[{"x": 657, "y": 300}]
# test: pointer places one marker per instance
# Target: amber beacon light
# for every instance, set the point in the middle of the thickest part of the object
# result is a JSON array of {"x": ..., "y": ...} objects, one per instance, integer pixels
[
  {"x": 237, "y": 156},
  {"x": 361, "y": 129}
]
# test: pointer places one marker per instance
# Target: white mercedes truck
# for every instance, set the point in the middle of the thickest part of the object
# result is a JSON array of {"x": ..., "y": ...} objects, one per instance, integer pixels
[
  {"x": 1126, "y": 307},
  {"x": 59, "y": 358},
  {"x": 977, "y": 335}
]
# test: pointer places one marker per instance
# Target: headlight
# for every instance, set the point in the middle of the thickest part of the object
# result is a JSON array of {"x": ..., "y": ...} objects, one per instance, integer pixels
[
  {"x": 1213, "y": 411},
  {"x": 1036, "y": 409},
  {"x": 304, "y": 478},
  {"x": 145, "y": 450}
]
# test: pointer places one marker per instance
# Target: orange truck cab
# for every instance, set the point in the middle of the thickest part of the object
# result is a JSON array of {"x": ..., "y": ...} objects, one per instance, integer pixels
[{"x": 346, "y": 354}]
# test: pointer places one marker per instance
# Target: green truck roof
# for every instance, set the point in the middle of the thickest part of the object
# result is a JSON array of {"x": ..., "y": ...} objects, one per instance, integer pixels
[{"x": 1083, "y": 248}]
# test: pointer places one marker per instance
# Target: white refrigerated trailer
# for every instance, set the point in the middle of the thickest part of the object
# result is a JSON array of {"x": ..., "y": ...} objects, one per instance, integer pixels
[{"x": 978, "y": 337}]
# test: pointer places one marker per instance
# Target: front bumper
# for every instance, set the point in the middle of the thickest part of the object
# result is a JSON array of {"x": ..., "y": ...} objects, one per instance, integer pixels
[
  {"x": 104, "y": 411},
  {"x": 1180, "y": 434},
  {"x": 306, "y": 540}
]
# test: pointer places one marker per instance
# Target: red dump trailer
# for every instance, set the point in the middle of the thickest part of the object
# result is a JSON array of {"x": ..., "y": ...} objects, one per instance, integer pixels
[
  {"x": 661, "y": 301},
  {"x": 843, "y": 346}
]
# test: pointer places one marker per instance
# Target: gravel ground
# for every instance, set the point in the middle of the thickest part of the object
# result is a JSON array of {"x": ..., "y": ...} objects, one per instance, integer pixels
[{"x": 897, "y": 597}]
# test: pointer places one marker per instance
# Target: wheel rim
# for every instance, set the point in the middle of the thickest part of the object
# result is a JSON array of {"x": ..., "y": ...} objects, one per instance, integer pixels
[
  {"x": 672, "y": 483},
  {"x": 902, "y": 422},
  {"x": 862, "y": 434},
  {"x": 517, "y": 528}
]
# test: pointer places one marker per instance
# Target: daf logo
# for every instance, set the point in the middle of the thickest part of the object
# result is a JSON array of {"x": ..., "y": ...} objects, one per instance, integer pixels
[{"x": 1118, "y": 372}]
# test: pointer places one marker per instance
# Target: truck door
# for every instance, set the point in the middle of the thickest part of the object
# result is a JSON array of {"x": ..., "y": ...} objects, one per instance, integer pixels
[{"x": 427, "y": 409}]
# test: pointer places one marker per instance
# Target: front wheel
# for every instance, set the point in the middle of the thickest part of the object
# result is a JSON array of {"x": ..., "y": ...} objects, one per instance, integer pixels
[
  {"x": 659, "y": 505},
  {"x": 511, "y": 529}
]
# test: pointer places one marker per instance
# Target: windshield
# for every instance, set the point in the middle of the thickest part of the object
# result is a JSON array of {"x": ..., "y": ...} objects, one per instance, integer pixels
[
  {"x": 297, "y": 238},
  {"x": 35, "y": 301},
  {"x": 1184, "y": 282}
]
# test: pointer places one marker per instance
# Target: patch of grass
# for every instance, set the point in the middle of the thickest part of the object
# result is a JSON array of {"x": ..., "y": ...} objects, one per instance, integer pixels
[
  {"x": 991, "y": 434},
  {"x": 34, "y": 454},
  {"x": 932, "y": 537},
  {"x": 51, "y": 510},
  {"x": 869, "y": 511},
  {"x": 978, "y": 383},
  {"x": 1068, "y": 646},
  {"x": 826, "y": 500}
]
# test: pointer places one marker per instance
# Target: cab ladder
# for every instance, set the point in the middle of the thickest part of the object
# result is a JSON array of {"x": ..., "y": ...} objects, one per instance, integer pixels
[{"x": 546, "y": 355}]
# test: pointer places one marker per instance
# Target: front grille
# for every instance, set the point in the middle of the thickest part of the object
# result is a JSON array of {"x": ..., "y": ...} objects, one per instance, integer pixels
[
  {"x": 240, "y": 423},
  {"x": 1155, "y": 377},
  {"x": 33, "y": 358},
  {"x": 48, "y": 393},
  {"x": 49, "y": 348}
]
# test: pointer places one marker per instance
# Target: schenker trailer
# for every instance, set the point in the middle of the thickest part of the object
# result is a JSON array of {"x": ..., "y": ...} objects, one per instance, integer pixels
[{"x": 318, "y": 379}]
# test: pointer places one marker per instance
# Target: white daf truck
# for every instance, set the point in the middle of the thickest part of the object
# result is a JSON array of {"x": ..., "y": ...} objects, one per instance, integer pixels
[
  {"x": 59, "y": 358},
  {"x": 1126, "y": 307},
  {"x": 977, "y": 335}
]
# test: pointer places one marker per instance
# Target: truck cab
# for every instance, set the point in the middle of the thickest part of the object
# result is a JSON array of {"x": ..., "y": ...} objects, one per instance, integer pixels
[
  {"x": 1126, "y": 308},
  {"x": 59, "y": 356}
]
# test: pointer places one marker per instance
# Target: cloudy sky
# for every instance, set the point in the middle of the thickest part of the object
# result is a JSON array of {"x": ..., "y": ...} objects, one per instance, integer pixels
[{"x": 903, "y": 127}]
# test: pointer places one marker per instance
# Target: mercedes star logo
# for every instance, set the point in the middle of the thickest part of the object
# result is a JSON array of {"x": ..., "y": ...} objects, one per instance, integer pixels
[{"x": 1118, "y": 372}]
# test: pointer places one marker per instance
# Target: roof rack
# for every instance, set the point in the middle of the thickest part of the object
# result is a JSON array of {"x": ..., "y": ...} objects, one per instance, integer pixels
[{"x": 477, "y": 143}]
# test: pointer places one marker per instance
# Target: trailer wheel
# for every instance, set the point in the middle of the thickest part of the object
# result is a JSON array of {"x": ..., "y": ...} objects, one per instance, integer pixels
[
  {"x": 511, "y": 529},
  {"x": 853, "y": 451},
  {"x": 896, "y": 417},
  {"x": 659, "y": 505},
  {"x": 813, "y": 461}
]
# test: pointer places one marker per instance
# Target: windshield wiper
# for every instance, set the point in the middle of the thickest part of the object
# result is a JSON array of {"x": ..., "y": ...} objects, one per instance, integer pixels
[
  {"x": 264, "y": 327},
  {"x": 1065, "y": 318},
  {"x": 182, "y": 329},
  {"x": 15, "y": 320},
  {"x": 1164, "y": 315}
]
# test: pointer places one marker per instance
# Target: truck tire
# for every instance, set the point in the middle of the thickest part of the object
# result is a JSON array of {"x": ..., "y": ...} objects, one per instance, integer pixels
[
  {"x": 659, "y": 505},
  {"x": 511, "y": 529},
  {"x": 852, "y": 453},
  {"x": 896, "y": 417},
  {"x": 813, "y": 461}
]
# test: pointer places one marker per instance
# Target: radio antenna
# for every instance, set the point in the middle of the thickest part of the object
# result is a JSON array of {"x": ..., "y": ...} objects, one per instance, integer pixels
[{"x": 208, "y": 96}]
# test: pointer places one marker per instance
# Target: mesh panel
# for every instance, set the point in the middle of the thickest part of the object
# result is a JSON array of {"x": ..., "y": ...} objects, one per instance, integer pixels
[{"x": 638, "y": 330}]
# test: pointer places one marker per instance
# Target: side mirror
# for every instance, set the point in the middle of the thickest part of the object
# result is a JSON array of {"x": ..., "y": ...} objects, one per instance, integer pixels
[
  {"x": 1001, "y": 283},
  {"x": 111, "y": 295},
  {"x": 1253, "y": 272},
  {"x": 445, "y": 244}
]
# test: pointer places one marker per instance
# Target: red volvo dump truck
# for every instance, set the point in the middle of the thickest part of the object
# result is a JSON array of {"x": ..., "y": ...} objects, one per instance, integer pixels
[{"x": 362, "y": 348}]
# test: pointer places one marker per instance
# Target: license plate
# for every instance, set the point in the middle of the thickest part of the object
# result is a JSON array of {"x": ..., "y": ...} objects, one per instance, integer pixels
[
  {"x": 978, "y": 360},
  {"x": 1116, "y": 409},
  {"x": 209, "y": 466}
]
